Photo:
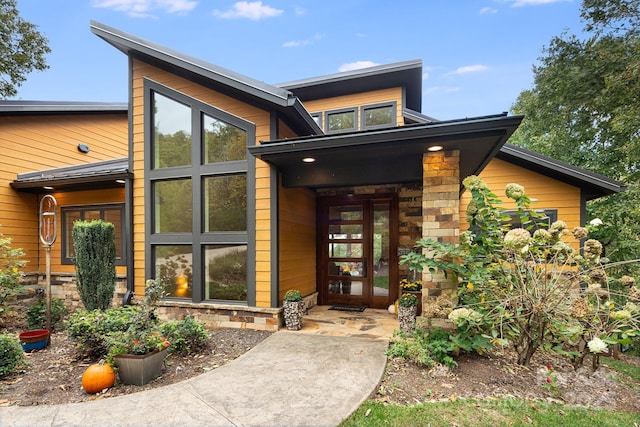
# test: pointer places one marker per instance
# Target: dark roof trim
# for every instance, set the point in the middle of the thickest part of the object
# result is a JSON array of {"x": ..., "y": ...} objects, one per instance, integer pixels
[
  {"x": 411, "y": 116},
  {"x": 406, "y": 74},
  {"x": 132, "y": 45},
  {"x": 31, "y": 108},
  {"x": 596, "y": 185},
  {"x": 78, "y": 177}
]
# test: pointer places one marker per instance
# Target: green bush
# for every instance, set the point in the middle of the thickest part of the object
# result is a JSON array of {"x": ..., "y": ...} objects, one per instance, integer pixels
[
  {"x": 424, "y": 347},
  {"x": 186, "y": 336},
  {"x": 95, "y": 258},
  {"x": 11, "y": 354},
  {"x": 11, "y": 263},
  {"x": 90, "y": 329},
  {"x": 37, "y": 314}
]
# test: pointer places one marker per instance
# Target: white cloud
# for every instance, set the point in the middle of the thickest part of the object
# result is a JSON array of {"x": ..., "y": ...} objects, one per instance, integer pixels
[
  {"x": 299, "y": 10},
  {"x": 356, "y": 65},
  {"x": 254, "y": 10},
  {"x": 300, "y": 43},
  {"x": 521, "y": 3},
  {"x": 440, "y": 89},
  {"x": 144, "y": 8},
  {"x": 469, "y": 69},
  {"x": 488, "y": 11}
]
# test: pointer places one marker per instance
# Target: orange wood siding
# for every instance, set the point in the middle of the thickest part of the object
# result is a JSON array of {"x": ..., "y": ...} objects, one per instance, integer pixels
[
  {"x": 248, "y": 112},
  {"x": 78, "y": 198},
  {"x": 33, "y": 143},
  {"x": 550, "y": 193},
  {"x": 297, "y": 214},
  {"x": 358, "y": 100}
]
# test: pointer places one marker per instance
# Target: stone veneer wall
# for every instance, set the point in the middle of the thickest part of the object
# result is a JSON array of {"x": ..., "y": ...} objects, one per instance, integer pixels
[{"x": 441, "y": 212}]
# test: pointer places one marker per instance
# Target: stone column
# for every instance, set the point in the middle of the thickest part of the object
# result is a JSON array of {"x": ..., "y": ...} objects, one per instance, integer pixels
[{"x": 440, "y": 213}]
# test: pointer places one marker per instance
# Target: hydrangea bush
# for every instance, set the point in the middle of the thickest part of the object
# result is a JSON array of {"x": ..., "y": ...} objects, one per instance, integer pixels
[{"x": 528, "y": 287}]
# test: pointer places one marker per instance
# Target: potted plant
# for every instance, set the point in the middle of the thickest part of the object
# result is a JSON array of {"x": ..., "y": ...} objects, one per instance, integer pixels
[
  {"x": 407, "y": 308},
  {"x": 293, "y": 309},
  {"x": 414, "y": 288},
  {"x": 139, "y": 352}
]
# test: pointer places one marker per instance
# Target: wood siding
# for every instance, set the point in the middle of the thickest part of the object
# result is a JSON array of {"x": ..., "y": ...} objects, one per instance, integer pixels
[
  {"x": 39, "y": 142},
  {"x": 297, "y": 237},
  {"x": 259, "y": 117},
  {"x": 548, "y": 192}
]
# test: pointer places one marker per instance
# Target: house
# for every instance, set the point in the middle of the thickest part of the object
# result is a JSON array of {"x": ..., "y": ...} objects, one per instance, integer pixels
[{"x": 233, "y": 191}]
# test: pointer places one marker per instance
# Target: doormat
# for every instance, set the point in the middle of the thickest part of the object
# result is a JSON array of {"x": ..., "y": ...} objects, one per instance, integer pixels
[{"x": 354, "y": 308}]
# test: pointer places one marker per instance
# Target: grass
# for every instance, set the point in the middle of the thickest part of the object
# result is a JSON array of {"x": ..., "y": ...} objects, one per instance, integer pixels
[{"x": 494, "y": 412}]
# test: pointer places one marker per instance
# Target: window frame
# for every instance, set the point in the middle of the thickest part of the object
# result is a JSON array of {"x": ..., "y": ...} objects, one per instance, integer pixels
[
  {"x": 318, "y": 115},
  {"x": 552, "y": 214},
  {"x": 353, "y": 110},
  {"x": 394, "y": 111},
  {"x": 197, "y": 172},
  {"x": 65, "y": 259}
]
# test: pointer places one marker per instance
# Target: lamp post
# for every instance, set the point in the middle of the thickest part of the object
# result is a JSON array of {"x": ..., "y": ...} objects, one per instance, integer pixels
[{"x": 48, "y": 220}]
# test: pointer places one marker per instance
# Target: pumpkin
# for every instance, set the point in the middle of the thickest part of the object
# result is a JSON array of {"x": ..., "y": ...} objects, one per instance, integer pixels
[{"x": 97, "y": 377}]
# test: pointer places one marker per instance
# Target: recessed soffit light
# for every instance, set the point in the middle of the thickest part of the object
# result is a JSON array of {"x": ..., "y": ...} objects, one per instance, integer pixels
[
  {"x": 435, "y": 148},
  {"x": 309, "y": 159}
]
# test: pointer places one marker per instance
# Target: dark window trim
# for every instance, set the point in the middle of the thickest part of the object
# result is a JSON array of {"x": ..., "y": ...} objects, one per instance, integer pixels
[
  {"x": 551, "y": 214},
  {"x": 353, "y": 110},
  {"x": 318, "y": 115},
  {"x": 65, "y": 259},
  {"x": 394, "y": 112},
  {"x": 196, "y": 172}
]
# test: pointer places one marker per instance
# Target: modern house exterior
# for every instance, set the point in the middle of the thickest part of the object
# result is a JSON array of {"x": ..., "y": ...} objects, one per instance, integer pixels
[{"x": 233, "y": 191}]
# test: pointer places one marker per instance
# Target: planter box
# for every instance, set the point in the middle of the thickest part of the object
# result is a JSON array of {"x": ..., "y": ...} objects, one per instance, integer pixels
[
  {"x": 34, "y": 340},
  {"x": 139, "y": 369}
]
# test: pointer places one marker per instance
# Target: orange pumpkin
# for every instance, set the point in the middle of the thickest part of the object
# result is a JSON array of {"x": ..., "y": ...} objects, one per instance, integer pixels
[{"x": 97, "y": 377}]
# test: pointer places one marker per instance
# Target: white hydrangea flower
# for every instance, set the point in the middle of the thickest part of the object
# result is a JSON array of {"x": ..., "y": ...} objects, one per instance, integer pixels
[
  {"x": 595, "y": 222},
  {"x": 596, "y": 345}
]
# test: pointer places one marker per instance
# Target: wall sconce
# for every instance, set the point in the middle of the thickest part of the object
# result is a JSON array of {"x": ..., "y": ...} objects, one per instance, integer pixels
[{"x": 83, "y": 148}]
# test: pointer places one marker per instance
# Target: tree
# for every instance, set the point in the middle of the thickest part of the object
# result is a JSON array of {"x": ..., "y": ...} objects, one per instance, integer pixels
[
  {"x": 583, "y": 109},
  {"x": 22, "y": 49}
]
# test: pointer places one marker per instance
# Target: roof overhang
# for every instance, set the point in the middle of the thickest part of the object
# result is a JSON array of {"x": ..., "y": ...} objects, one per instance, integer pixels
[
  {"x": 390, "y": 155},
  {"x": 91, "y": 176},
  {"x": 593, "y": 185},
  {"x": 212, "y": 76},
  {"x": 41, "y": 108}
]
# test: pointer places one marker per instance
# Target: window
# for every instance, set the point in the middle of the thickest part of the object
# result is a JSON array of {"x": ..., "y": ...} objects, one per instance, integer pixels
[
  {"x": 109, "y": 213},
  {"x": 546, "y": 218},
  {"x": 317, "y": 117},
  {"x": 198, "y": 198},
  {"x": 342, "y": 120},
  {"x": 378, "y": 115}
]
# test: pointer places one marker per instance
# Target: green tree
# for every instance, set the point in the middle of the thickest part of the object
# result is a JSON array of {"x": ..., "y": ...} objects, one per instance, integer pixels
[
  {"x": 22, "y": 49},
  {"x": 583, "y": 109},
  {"x": 95, "y": 261}
]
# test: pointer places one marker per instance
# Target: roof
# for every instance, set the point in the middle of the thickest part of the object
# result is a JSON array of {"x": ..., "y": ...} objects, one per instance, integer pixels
[
  {"x": 27, "y": 108},
  {"x": 388, "y": 155},
  {"x": 88, "y": 176},
  {"x": 210, "y": 75},
  {"x": 592, "y": 184},
  {"x": 406, "y": 74}
]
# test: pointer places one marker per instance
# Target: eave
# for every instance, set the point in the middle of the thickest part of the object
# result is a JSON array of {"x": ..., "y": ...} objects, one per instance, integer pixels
[{"x": 390, "y": 155}]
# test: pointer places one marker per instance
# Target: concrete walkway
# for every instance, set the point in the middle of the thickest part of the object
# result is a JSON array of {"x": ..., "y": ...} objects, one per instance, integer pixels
[{"x": 289, "y": 379}]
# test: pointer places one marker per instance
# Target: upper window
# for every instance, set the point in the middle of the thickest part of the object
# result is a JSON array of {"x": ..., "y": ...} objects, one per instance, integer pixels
[
  {"x": 342, "y": 120},
  {"x": 109, "y": 213},
  {"x": 317, "y": 117},
  {"x": 223, "y": 142},
  {"x": 378, "y": 115},
  {"x": 172, "y": 127}
]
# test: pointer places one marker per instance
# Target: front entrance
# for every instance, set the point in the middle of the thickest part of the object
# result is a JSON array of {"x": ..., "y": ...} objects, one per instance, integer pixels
[{"x": 357, "y": 250}]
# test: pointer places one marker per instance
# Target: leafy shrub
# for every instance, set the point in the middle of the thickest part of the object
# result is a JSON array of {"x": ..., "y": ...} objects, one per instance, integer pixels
[
  {"x": 95, "y": 258},
  {"x": 37, "y": 314},
  {"x": 90, "y": 329},
  {"x": 10, "y": 264},
  {"x": 11, "y": 354},
  {"x": 424, "y": 346},
  {"x": 186, "y": 336}
]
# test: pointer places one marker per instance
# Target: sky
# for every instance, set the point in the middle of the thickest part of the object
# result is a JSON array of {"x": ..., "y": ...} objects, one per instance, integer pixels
[{"x": 477, "y": 55}]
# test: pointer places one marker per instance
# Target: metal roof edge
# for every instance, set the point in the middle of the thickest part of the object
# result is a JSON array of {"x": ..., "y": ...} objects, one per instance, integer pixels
[
  {"x": 8, "y": 107},
  {"x": 581, "y": 174},
  {"x": 119, "y": 164},
  {"x": 126, "y": 42}
]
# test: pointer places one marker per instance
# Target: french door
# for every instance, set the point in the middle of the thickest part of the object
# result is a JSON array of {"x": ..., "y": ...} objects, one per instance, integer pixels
[{"x": 357, "y": 250}]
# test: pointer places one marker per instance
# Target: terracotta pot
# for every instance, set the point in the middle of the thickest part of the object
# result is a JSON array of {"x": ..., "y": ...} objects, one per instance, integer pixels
[{"x": 139, "y": 369}]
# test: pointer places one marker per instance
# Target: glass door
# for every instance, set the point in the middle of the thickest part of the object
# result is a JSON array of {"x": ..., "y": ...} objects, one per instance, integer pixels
[{"x": 357, "y": 251}]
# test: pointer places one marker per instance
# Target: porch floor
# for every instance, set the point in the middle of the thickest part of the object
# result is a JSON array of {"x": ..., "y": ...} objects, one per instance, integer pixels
[{"x": 371, "y": 323}]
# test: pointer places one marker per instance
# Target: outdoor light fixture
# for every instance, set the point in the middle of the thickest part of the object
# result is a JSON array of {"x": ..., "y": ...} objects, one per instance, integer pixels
[
  {"x": 83, "y": 148},
  {"x": 435, "y": 148},
  {"x": 308, "y": 159},
  {"x": 120, "y": 181},
  {"x": 46, "y": 187}
]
